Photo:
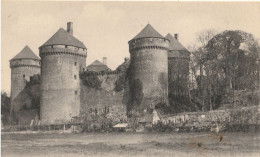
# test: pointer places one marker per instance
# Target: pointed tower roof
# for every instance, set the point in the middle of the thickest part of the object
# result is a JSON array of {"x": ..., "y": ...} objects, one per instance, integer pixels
[
  {"x": 175, "y": 45},
  {"x": 62, "y": 37},
  {"x": 26, "y": 53},
  {"x": 148, "y": 32},
  {"x": 98, "y": 66}
]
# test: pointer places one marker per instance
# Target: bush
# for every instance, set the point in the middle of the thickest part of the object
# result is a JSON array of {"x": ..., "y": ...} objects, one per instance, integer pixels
[{"x": 90, "y": 81}]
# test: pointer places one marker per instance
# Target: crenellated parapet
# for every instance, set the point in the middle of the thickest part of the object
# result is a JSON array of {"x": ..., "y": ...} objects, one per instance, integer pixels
[
  {"x": 62, "y": 50},
  {"x": 90, "y": 73},
  {"x": 179, "y": 58},
  {"x": 148, "y": 43},
  {"x": 25, "y": 63}
]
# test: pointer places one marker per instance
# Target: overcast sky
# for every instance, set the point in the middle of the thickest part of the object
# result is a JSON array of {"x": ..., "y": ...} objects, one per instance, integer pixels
[{"x": 106, "y": 27}]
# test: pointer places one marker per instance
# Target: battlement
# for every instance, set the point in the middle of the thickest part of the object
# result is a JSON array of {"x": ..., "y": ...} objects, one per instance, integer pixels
[
  {"x": 179, "y": 58},
  {"x": 149, "y": 43},
  {"x": 34, "y": 63},
  {"x": 102, "y": 73},
  {"x": 62, "y": 50}
]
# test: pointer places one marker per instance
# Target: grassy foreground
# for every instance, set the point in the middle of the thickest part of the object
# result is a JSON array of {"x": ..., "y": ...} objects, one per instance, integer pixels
[{"x": 131, "y": 144}]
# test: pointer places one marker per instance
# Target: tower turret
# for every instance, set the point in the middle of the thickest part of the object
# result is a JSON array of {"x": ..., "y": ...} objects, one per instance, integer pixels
[
  {"x": 63, "y": 57},
  {"x": 23, "y": 65},
  {"x": 148, "y": 69},
  {"x": 178, "y": 66}
]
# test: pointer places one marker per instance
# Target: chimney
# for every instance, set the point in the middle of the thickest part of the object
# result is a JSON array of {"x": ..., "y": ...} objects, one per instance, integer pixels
[
  {"x": 70, "y": 28},
  {"x": 126, "y": 59},
  {"x": 176, "y": 36},
  {"x": 105, "y": 60}
]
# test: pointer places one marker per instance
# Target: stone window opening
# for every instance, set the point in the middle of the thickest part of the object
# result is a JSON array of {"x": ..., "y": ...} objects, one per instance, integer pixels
[
  {"x": 66, "y": 46},
  {"x": 106, "y": 109},
  {"x": 20, "y": 59},
  {"x": 23, "y": 76},
  {"x": 76, "y": 92},
  {"x": 96, "y": 111},
  {"x": 75, "y": 77},
  {"x": 75, "y": 63}
]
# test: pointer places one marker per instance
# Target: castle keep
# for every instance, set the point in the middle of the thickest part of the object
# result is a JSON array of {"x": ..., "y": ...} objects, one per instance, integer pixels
[
  {"x": 70, "y": 89},
  {"x": 63, "y": 57}
]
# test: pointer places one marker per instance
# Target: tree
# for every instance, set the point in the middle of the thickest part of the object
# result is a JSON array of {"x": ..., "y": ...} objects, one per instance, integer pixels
[
  {"x": 5, "y": 108},
  {"x": 198, "y": 61}
]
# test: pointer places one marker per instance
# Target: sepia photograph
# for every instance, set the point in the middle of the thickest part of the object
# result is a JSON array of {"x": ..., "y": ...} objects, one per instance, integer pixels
[{"x": 130, "y": 78}]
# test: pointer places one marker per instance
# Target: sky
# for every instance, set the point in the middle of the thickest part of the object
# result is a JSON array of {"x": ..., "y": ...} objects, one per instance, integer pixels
[{"x": 106, "y": 27}]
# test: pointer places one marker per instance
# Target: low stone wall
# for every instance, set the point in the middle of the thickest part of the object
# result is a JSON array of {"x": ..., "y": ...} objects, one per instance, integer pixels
[{"x": 246, "y": 115}]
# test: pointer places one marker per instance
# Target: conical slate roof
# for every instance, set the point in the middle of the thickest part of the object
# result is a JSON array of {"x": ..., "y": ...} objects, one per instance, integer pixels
[
  {"x": 175, "y": 45},
  {"x": 148, "y": 32},
  {"x": 62, "y": 37},
  {"x": 97, "y": 66},
  {"x": 26, "y": 53}
]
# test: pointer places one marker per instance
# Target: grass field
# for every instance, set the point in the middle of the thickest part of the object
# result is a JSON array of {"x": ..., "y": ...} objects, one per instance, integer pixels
[{"x": 131, "y": 144}]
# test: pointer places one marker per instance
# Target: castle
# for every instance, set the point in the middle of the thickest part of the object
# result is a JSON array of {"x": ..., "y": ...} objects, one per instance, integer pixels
[{"x": 68, "y": 88}]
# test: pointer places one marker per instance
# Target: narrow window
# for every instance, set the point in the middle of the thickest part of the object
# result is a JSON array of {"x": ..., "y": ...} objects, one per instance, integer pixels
[
  {"x": 75, "y": 63},
  {"x": 23, "y": 76},
  {"x": 75, "y": 77},
  {"x": 76, "y": 92},
  {"x": 66, "y": 46},
  {"x": 90, "y": 111},
  {"x": 20, "y": 60}
]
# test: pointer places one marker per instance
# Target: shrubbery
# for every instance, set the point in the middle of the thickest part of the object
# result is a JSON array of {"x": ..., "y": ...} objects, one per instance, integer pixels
[{"x": 91, "y": 81}]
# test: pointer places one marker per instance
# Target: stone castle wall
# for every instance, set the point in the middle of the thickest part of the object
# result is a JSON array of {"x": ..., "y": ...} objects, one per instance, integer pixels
[
  {"x": 60, "y": 83},
  {"x": 149, "y": 69},
  {"x": 21, "y": 71},
  {"x": 105, "y": 102}
]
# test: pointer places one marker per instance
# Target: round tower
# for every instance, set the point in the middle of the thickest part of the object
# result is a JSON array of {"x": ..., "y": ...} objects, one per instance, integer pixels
[
  {"x": 24, "y": 65},
  {"x": 63, "y": 57},
  {"x": 148, "y": 69},
  {"x": 178, "y": 65}
]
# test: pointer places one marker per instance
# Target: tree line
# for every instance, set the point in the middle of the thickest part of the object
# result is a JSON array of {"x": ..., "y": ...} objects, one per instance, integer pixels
[{"x": 222, "y": 63}]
